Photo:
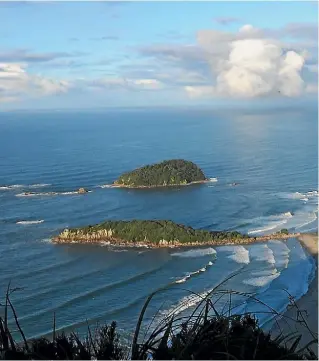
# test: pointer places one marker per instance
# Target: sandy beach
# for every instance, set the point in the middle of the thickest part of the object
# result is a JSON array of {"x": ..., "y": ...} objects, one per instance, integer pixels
[{"x": 307, "y": 304}]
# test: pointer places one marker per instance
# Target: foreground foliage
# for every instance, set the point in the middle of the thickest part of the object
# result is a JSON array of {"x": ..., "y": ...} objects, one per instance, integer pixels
[
  {"x": 166, "y": 173},
  {"x": 204, "y": 334}
]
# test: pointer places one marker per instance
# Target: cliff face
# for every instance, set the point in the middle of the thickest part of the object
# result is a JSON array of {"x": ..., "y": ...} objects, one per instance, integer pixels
[{"x": 82, "y": 236}]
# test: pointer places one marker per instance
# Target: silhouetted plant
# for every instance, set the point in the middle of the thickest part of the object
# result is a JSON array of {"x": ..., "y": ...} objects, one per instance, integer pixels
[{"x": 204, "y": 334}]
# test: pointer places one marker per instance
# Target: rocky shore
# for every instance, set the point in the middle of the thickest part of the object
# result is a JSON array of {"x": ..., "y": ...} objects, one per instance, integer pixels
[
  {"x": 107, "y": 237},
  {"x": 116, "y": 185}
]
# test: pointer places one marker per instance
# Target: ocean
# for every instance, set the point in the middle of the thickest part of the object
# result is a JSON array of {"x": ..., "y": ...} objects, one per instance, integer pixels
[{"x": 271, "y": 154}]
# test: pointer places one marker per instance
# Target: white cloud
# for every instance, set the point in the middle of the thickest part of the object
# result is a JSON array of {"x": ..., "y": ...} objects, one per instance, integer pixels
[
  {"x": 147, "y": 83},
  {"x": 200, "y": 91},
  {"x": 248, "y": 65},
  {"x": 125, "y": 83},
  {"x": 258, "y": 67},
  {"x": 15, "y": 82}
]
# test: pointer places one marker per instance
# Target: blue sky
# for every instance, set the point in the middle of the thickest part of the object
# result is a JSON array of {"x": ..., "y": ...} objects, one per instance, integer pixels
[{"x": 91, "y": 54}]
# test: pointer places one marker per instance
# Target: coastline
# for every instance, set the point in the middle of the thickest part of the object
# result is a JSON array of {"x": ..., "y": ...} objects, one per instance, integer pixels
[
  {"x": 307, "y": 304},
  {"x": 97, "y": 238},
  {"x": 114, "y": 185}
]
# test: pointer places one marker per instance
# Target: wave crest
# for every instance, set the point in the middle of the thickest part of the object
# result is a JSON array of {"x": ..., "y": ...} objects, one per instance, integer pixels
[
  {"x": 239, "y": 253},
  {"x": 30, "y": 222},
  {"x": 195, "y": 253}
]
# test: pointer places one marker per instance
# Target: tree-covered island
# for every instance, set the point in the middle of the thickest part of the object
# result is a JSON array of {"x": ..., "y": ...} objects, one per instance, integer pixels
[
  {"x": 167, "y": 173},
  {"x": 154, "y": 234}
]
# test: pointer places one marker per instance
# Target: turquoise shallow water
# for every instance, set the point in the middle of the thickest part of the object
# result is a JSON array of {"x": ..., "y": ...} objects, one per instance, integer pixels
[{"x": 272, "y": 155}]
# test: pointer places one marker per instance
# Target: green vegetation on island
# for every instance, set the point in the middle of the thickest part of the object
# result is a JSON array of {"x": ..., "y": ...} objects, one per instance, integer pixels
[
  {"x": 167, "y": 173},
  {"x": 155, "y": 232},
  {"x": 283, "y": 231},
  {"x": 158, "y": 233}
]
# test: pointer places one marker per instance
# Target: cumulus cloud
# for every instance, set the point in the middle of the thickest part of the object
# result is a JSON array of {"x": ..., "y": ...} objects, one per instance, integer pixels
[
  {"x": 251, "y": 62},
  {"x": 15, "y": 82},
  {"x": 248, "y": 64},
  {"x": 256, "y": 67}
]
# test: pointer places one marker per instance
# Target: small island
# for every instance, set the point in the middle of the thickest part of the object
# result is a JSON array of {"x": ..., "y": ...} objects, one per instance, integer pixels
[
  {"x": 155, "y": 234},
  {"x": 175, "y": 172}
]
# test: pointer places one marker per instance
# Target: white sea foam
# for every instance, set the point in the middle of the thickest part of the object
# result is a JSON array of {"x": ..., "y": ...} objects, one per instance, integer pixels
[
  {"x": 30, "y": 222},
  {"x": 264, "y": 273},
  {"x": 239, "y": 253},
  {"x": 299, "y": 195},
  {"x": 185, "y": 303},
  {"x": 34, "y": 194},
  {"x": 262, "y": 253},
  {"x": 270, "y": 223},
  {"x": 46, "y": 194},
  {"x": 13, "y": 186},
  {"x": 261, "y": 281},
  {"x": 39, "y": 185},
  {"x": 105, "y": 186},
  {"x": 269, "y": 227},
  {"x": 17, "y": 186},
  {"x": 104, "y": 243},
  {"x": 287, "y": 214},
  {"x": 195, "y": 253},
  {"x": 311, "y": 218},
  {"x": 281, "y": 253}
]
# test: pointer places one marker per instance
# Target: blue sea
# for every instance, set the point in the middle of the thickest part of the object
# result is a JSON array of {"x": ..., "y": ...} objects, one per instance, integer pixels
[{"x": 271, "y": 154}]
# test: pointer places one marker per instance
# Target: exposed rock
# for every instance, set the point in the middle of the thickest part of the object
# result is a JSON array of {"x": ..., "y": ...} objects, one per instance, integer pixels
[{"x": 82, "y": 191}]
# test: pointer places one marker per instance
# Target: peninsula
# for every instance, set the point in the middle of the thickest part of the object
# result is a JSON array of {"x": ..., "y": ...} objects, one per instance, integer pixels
[
  {"x": 156, "y": 234},
  {"x": 175, "y": 172}
]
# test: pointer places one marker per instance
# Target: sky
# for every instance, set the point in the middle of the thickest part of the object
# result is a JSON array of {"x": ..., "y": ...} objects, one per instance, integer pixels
[{"x": 58, "y": 55}]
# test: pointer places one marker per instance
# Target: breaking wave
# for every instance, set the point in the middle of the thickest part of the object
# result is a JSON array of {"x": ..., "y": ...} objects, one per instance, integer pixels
[
  {"x": 195, "y": 253},
  {"x": 30, "y": 222},
  {"x": 17, "y": 186},
  {"x": 239, "y": 253},
  {"x": 189, "y": 275},
  {"x": 261, "y": 281},
  {"x": 299, "y": 195},
  {"x": 105, "y": 186},
  {"x": 13, "y": 186},
  {"x": 272, "y": 222},
  {"x": 311, "y": 218},
  {"x": 40, "y": 185},
  {"x": 281, "y": 253},
  {"x": 262, "y": 253},
  {"x": 264, "y": 273},
  {"x": 41, "y": 194}
]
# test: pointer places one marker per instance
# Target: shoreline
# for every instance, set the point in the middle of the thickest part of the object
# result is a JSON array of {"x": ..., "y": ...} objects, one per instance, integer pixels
[
  {"x": 114, "y": 185},
  {"x": 169, "y": 244},
  {"x": 307, "y": 303}
]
